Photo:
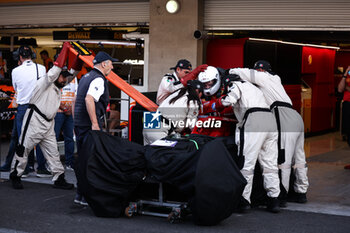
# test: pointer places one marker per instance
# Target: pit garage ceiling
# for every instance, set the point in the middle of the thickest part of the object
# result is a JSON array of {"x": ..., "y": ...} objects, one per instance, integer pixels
[
  {"x": 29, "y": 14},
  {"x": 218, "y": 14},
  {"x": 309, "y": 21},
  {"x": 39, "y": 18}
]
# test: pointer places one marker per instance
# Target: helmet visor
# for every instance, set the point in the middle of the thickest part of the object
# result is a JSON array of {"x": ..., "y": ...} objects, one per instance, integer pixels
[{"x": 209, "y": 84}]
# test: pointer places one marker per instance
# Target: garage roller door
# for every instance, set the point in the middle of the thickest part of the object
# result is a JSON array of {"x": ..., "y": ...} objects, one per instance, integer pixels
[
  {"x": 277, "y": 15},
  {"x": 68, "y": 14}
]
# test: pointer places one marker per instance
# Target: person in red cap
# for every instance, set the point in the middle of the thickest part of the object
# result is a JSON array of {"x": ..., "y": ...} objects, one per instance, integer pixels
[
  {"x": 173, "y": 82},
  {"x": 38, "y": 122}
]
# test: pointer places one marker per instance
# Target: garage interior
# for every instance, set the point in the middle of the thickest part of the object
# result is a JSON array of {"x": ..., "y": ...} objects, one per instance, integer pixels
[
  {"x": 132, "y": 50},
  {"x": 327, "y": 154}
]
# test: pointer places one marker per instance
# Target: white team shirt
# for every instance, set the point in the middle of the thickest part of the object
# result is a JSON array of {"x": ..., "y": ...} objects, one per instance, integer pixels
[
  {"x": 96, "y": 88},
  {"x": 167, "y": 87},
  {"x": 24, "y": 78}
]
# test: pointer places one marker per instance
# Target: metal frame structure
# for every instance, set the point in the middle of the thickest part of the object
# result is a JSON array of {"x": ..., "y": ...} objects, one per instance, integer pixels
[{"x": 142, "y": 207}]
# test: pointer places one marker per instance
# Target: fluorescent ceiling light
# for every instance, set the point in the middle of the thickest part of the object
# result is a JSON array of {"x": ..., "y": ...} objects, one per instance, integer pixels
[{"x": 293, "y": 43}]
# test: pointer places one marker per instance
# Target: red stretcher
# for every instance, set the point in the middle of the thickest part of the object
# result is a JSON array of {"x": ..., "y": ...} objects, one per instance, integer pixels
[{"x": 80, "y": 50}]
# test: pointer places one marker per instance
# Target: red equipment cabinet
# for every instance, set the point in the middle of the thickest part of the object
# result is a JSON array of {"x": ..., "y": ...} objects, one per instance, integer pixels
[{"x": 317, "y": 71}]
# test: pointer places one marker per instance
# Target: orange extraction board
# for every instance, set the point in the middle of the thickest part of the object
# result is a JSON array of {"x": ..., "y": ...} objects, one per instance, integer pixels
[{"x": 87, "y": 58}]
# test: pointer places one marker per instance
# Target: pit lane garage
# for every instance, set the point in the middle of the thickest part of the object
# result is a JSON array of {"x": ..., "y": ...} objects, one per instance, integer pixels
[{"x": 208, "y": 1}]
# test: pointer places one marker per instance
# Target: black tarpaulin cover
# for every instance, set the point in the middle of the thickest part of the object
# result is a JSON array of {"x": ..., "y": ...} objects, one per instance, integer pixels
[
  {"x": 111, "y": 168},
  {"x": 218, "y": 183},
  {"x": 176, "y": 165},
  {"x": 108, "y": 172}
]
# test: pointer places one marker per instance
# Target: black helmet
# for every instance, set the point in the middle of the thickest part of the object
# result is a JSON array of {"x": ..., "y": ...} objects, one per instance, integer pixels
[{"x": 262, "y": 64}]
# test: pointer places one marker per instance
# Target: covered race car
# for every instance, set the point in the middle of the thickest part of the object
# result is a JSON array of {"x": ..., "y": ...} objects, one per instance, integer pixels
[{"x": 201, "y": 168}]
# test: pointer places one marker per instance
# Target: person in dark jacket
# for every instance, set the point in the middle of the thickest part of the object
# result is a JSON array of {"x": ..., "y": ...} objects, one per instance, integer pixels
[{"x": 91, "y": 104}]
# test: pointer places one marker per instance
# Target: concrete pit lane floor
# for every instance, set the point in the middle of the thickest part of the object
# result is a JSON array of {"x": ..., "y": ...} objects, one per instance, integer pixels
[{"x": 41, "y": 208}]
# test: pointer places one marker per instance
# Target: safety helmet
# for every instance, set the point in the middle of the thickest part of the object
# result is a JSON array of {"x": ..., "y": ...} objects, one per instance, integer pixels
[
  {"x": 210, "y": 74},
  {"x": 262, "y": 64}
]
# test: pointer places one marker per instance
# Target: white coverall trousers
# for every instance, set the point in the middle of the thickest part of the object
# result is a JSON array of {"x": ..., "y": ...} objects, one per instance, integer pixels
[
  {"x": 292, "y": 140},
  {"x": 39, "y": 132},
  {"x": 260, "y": 143}
]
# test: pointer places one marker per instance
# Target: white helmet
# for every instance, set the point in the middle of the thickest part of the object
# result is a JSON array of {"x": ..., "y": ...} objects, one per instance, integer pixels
[{"x": 210, "y": 74}]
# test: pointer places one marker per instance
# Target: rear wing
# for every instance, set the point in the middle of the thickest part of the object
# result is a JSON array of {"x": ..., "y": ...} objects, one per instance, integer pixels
[{"x": 80, "y": 50}]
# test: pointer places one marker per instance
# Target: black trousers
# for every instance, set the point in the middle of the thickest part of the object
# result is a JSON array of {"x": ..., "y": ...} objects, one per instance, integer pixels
[{"x": 80, "y": 133}]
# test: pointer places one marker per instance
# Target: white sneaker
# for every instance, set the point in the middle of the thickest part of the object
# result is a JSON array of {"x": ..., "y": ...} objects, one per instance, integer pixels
[
  {"x": 83, "y": 202},
  {"x": 77, "y": 198},
  {"x": 69, "y": 168},
  {"x": 25, "y": 174},
  {"x": 43, "y": 173}
]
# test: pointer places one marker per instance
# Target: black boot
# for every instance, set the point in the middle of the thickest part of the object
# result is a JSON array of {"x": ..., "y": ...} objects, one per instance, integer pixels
[
  {"x": 283, "y": 197},
  {"x": 273, "y": 204},
  {"x": 16, "y": 181},
  {"x": 61, "y": 183},
  {"x": 297, "y": 197},
  {"x": 301, "y": 197},
  {"x": 283, "y": 202},
  {"x": 243, "y": 206}
]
